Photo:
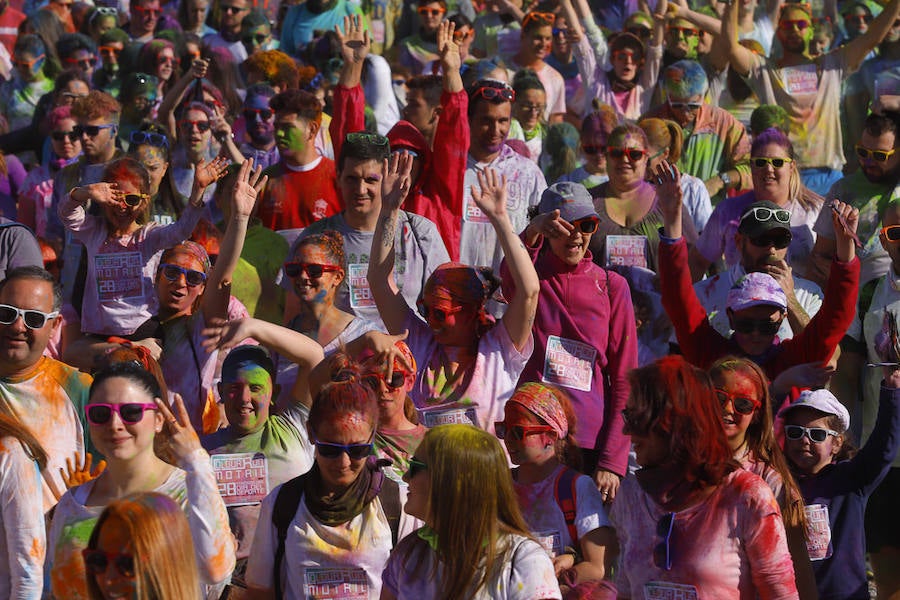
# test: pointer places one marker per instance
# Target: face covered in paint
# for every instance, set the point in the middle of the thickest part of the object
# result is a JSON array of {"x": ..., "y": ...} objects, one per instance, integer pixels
[
  {"x": 535, "y": 447},
  {"x": 115, "y": 541},
  {"x": 261, "y": 130},
  {"x": 733, "y": 387},
  {"x": 682, "y": 39},
  {"x": 154, "y": 160},
  {"x": 292, "y": 134},
  {"x": 27, "y": 65},
  {"x": 320, "y": 290},
  {"x": 247, "y": 396}
]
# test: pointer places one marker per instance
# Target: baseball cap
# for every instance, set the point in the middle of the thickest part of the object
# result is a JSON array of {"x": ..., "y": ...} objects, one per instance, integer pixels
[
  {"x": 243, "y": 357},
  {"x": 572, "y": 199},
  {"x": 762, "y": 217},
  {"x": 822, "y": 401},
  {"x": 756, "y": 289}
]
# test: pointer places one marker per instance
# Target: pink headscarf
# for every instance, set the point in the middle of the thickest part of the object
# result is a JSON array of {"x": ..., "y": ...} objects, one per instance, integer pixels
[{"x": 544, "y": 403}]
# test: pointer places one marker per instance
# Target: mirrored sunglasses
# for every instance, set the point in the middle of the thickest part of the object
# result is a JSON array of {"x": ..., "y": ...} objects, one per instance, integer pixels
[{"x": 174, "y": 272}]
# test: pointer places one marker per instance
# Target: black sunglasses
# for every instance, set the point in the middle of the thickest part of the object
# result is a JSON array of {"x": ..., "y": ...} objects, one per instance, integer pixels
[
  {"x": 439, "y": 314},
  {"x": 416, "y": 466},
  {"x": 259, "y": 38},
  {"x": 263, "y": 114},
  {"x": 131, "y": 412},
  {"x": 91, "y": 130},
  {"x": 354, "y": 451},
  {"x": 779, "y": 241},
  {"x": 742, "y": 405},
  {"x": 593, "y": 149},
  {"x": 763, "y": 326},
  {"x": 588, "y": 225},
  {"x": 60, "y": 136},
  {"x": 97, "y": 561},
  {"x": 374, "y": 380},
  {"x": 191, "y": 277},
  {"x": 312, "y": 270}
]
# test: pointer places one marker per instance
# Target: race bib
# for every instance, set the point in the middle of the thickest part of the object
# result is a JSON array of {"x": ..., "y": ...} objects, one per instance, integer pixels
[
  {"x": 241, "y": 478},
  {"x": 551, "y": 541},
  {"x": 663, "y": 590},
  {"x": 569, "y": 363},
  {"x": 801, "y": 79},
  {"x": 473, "y": 214},
  {"x": 119, "y": 276},
  {"x": 627, "y": 251},
  {"x": 345, "y": 583},
  {"x": 360, "y": 293},
  {"x": 818, "y": 532},
  {"x": 449, "y": 416}
]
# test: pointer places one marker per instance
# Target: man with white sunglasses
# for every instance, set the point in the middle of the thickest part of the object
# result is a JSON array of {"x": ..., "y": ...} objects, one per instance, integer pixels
[{"x": 44, "y": 394}]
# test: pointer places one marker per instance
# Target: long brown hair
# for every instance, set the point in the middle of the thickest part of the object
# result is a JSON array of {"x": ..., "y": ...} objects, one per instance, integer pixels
[
  {"x": 471, "y": 504},
  {"x": 12, "y": 427},
  {"x": 760, "y": 436}
]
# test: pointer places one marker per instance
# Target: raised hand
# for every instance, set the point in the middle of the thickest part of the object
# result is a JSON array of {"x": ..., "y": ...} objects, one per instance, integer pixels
[
  {"x": 206, "y": 173},
  {"x": 396, "y": 180},
  {"x": 551, "y": 225},
  {"x": 224, "y": 335},
  {"x": 183, "y": 440},
  {"x": 845, "y": 219},
  {"x": 247, "y": 187},
  {"x": 198, "y": 68},
  {"x": 354, "y": 39},
  {"x": 668, "y": 191},
  {"x": 490, "y": 195},
  {"x": 384, "y": 350},
  {"x": 77, "y": 472},
  {"x": 104, "y": 194},
  {"x": 448, "y": 49}
]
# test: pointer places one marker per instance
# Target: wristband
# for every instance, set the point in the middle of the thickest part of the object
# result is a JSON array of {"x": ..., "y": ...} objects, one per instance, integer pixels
[{"x": 726, "y": 180}]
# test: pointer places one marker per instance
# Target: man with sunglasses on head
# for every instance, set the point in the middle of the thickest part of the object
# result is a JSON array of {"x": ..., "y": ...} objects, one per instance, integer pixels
[
  {"x": 762, "y": 239},
  {"x": 44, "y": 394},
  {"x": 870, "y": 188},
  {"x": 808, "y": 88}
]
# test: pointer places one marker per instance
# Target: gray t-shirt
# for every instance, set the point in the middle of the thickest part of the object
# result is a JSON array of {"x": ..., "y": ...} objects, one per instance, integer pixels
[{"x": 18, "y": 247}]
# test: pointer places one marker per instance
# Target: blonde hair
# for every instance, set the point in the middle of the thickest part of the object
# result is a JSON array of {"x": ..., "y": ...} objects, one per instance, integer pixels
[
  {"x": 163, "y": 550},
  {"x": 664, "y": 134}
]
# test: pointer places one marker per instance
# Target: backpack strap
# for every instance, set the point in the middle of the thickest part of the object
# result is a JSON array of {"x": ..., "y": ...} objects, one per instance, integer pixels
[
  {"x": 390, "y": 503},
  {"x": 564, "y": 493},
  {"x": 286, "y": 503}
]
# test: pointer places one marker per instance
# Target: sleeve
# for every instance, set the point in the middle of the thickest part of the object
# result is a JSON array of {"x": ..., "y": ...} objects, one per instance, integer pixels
[
  {"x": 349, "y": 115},
  {"x": 16, "y": 173},
  {"x": 380, "y": 93},
  {"x": 532, "y": 576},
  {"x": 589, "y": 511},
  {"x": 711, "y": 241},
  {"x": 698, "y": 340},
  {"x": 697, "y": 202},
  {"x": 160, "y": 237},
  {"x": 650, "y": 74},
  {"x": 515, "y": 360},
  {"x": 871, "y": 463},
  {"x": 622, "y": 357},
  {"x": 75, "y": 218},
  {"x": 20, "y": 247},
  {"x": 586, "y": 61},
  {"x": 824, "y": 226},
  {"x": 738, "y": 153},
  {"x": 765, "y": 541},
  {"x": 262, "y": 559},
  {"x": 825, "y": 330},
  {"x": 23, "y": 521},
  {"x": 208, "y": 520}
]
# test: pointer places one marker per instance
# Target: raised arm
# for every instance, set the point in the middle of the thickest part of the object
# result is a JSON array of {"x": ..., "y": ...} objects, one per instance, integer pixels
[
  {"x": 215, "y": 297},
  {"x": 855, "y": 51},
  {"x": 349, "y": 101},
  {"x": 490, "y": 196},
  {"x": 166, "y": 112},
  {"x": 741, "y": 58},
  {"x": 395, "y": 185}
]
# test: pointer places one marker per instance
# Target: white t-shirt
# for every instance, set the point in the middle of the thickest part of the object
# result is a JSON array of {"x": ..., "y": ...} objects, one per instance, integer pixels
[
  {"x": 322, "y": 562},
  {"x": 526, "y": 572},
  {"x": 22, "y": 539}
]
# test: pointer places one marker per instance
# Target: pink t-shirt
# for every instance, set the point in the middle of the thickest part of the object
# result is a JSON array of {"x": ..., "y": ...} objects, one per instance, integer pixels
[{"x": 730, "y": 546}]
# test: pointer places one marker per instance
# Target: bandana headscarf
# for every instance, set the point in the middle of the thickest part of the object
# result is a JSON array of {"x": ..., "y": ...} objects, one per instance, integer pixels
[
  {"x": 462, "y": 283},
  {"x": 193, "y": 249},
  {"x": 543, "y": 402}
]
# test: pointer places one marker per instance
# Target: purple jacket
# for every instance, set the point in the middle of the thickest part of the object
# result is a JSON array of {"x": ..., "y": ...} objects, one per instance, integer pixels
[{"x": 585, "y": 341}]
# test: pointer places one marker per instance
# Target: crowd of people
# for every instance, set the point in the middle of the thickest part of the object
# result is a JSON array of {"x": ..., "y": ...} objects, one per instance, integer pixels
[{"x": 546, "y": 299}]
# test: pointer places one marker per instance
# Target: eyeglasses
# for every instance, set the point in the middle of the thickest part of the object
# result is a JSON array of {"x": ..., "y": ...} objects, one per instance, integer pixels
[
  {"x": 543, "y": 17},
  {"x": 430, "y": 12},
  {"x": 762, "y": 214},
  {"x": 191, "y": 277},
  {"x": 71, "y": 96},
  {"x": 633, "y": 154},
  {"x": 641, "y": 32},
  {"x": 461, "y": 36},
  {"x": 374, "y": 380},
  {"x": 61, "y": 136},
  {"x": 84, "y": 63},
  {"x": 133, "y": 200},
  {"x": 97, "y": 562},
  {"x": 587, "y": 225},
  {"x": 354, "y": 451},
  {"x": 148, "y": 137},
  {"x": 762, "y": 326},
  {"x": 28, "y": 64},
  {"x": 891, "y": 233},
  {"x": 787, "y": 25},
  {"x": 625, "y": 55},
  {"x": 91, "y": 130},
  {"x": 742, "y": 405},
  {"x": 532, "y": 108},
  {"x": 760, "y": 162},
  {"x": 130, "y": 412},
  {"x": 859, "y": 19},
  {"x": 593, "y": 149},
  {"x": 518, "y": 432},
  {"x": 662, "y": 553},
  {"x": 683, "y": 31},
  {"x": 33, "y": 319},
  {"x": 439, "y": 315},
  {"x": 146, "y": 12},
  {"x": 263, "y": 114},
  {"x": 202, "y": 126},
  {"x": 368, "y": 138},
  {"x": 416, "y": 466},
  {"x": 815, "y": 434},
  {"x": 686, "y": 106},
  {"x": 259, "y": 39},
  {"x": 878, "y": 155},
  {"x": 167, "y": 60},
  {"x": 780, "y": 242},
  {"x": 490, "y": 93},
  {"x": 109, "y": 51},
  {"x": 312, "y": 270}
]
